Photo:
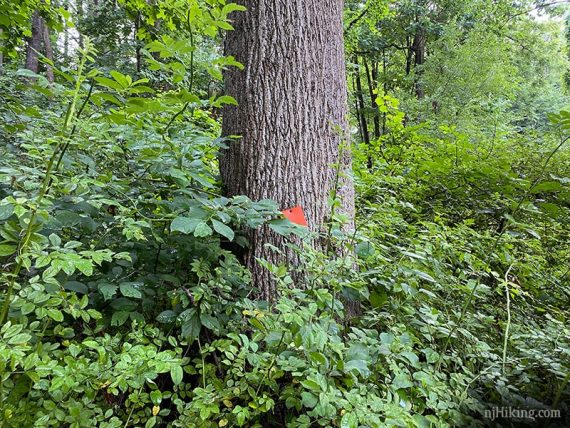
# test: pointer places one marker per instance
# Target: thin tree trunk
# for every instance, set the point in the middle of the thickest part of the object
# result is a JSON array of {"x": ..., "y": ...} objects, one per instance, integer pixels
[
  {"x": 1, "y": 54},
  {"x": 385, "y": 78},
  {"x": 357, "y": 109},
  {"x": 34, "y": 43},
  {"x": 80, "y": 14},
  {"x": 361, "y": 105},
  {"x": 409, "y": 56},
  {"x": 419, "y": 49},
  {"x": 371, "y": 78},
  {"x": 292, "y": 115},
  {"x": 48, "y": 51},
  {"x": 138, "y": 54},
  {"x": 66, "y": 44}
]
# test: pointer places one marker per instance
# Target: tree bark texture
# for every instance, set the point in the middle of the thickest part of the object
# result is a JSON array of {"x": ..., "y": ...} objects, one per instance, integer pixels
[
  {"x": 48, "y": 51},
  {"x": 291, "y": 117},
  {"x": 40, "y": 37},
  {"x": 419, "y": 48},
  {"x": 34, "y": 43}
]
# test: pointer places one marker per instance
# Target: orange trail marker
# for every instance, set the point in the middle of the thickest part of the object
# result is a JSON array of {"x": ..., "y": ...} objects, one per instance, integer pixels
[{"x": 295, "y": 215}]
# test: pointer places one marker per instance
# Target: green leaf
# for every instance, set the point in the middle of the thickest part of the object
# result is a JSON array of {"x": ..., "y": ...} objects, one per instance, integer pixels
[
  {"x": 184, "y": 224},
  {"x": 225, "y": 99},
  {"x": 309, "y": 399},
  {"x": 20, "y": 339},
  {"x": 318, "y": 358},
  {"x": 209, "y": 322},
  {"x": 151, "y": 422},
  {"x": 130, "y": 289},
  {"x": 119, "y": 318},
  {"x": 223, "y": 230},
  {"x": 401, "y": 381},
  {"x": 107, "y": 290},
  {"x": 7, "y": 250},
  {"x": 191, "y": 328},
  {"x": 55, "y": 314},
  {"x": 423, "y": 275},
  {"x": 412, "y": 358},
  {"x": 548, "y": 186},
  {"x": 27, "y": 308},
  {"x": 85, "y": 266},
  {"x": 156, "y": 397},
  {"x": 6, "y": 211},
  {"x": 282, "y": 226},
  {"x": 257, "y": 324},
  {"x": 166, "y": 317},
  {"x": 311, "y": 384},
  {"x": 78, "y": 287},
  {"x": 91, "y": 344},
  {"x": 176, "y": 374},
  {"x": 109, "y": 83},
  {"x": 349, "y": 420},
  {"x": 202, "y": 230},
  {"x": 365, "y": 250},
  {"x": 378, "y": 299},
  {"x": 232, "y": 7},
  {"x": 55, "y": 240},
  {"x": 359, "y": 365}
]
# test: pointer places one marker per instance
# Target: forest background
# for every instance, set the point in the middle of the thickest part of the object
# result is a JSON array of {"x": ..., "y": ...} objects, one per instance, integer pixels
[{"x": 125, "y": 299}]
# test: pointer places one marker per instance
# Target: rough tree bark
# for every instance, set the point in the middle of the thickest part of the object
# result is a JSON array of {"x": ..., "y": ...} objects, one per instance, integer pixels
[
  {"x": 419, "y": 49},
  {"x": 48, "y": 51},
  {"x": 291, "y": 116},
  {"x": 34, "y": 43},
  {"x": 40, "y": 36}
]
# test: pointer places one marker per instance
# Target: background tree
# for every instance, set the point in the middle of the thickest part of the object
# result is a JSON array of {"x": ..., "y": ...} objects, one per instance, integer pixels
[
  {"x": 120, "y": 304},
  {"x": 290, "y": 117}
]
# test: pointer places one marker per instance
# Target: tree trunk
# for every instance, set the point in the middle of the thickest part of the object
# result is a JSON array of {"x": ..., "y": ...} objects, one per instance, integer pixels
[
  {"x": 48, "y": 51},
  {"x": 34, "y": 43},
  {"x": 361, "y": 105},
  {"x": 372, "y": 81},
  {"x": 137, "y": 42},
  {"x": 1, "y": 54},
  {"x": 419, "y": 48},
  {"x": 292, "y": 115}
]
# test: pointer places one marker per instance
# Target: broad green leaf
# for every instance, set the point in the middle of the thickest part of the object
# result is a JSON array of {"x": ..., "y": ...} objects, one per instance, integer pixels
[
  {"x": 107, "y": 290},
  {"x": 19, "y": 339},
  {"x": 166, "y": 317},
  {"x": 232, "y": 7},
  {"x": 209, "y": 322},
  {"x": 309, "y": 399},
  {"x": 6, "y": 211},
  {"x": 349, "y": 420},
  {"x": 7, "y": 250},
  {"x": 119, "y": 318},
  {"x": 223, "y": 230},
  {"x": 360, "y": 366},
  {"x": 202, "y": 230},
  {"x": 402, "y": 381},
  {"x": 131, "y": 289},
  {"x": 85, "y": 266},
  {"x": 412, "y": 358},
  {"x": 176, "y": 374},
  {"x": 55, "y": 314},
  {"x": 184, "y": 224}
]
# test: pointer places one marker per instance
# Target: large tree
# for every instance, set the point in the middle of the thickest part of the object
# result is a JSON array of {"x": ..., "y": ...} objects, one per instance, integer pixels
[{"x": 291, "y": 115}]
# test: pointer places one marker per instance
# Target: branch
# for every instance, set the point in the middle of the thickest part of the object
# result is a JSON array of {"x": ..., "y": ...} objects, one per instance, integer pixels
[{"x": 355, "y": 20}]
